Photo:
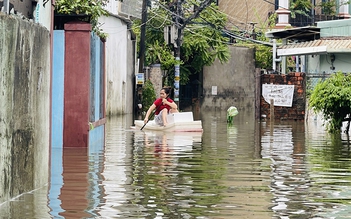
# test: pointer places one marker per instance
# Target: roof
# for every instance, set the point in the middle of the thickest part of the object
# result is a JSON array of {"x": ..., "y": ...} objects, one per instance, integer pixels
[
  {"x": 299, "y": 33},
  {"x": 323, "y": 45}
]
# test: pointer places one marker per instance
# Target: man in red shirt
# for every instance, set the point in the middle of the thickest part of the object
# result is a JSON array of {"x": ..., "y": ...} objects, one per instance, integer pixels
[{"x": 163, "y": 106}]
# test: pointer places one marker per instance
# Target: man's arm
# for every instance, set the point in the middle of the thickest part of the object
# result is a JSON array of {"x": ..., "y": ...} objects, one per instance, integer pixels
[
  {"x": 173, "y": 105},
  {"x": 152, "y": 107}
]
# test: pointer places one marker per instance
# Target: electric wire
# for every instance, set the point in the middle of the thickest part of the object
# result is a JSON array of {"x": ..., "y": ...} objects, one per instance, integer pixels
[
  {"x": 226, "y": 31},
  {"x": 244, "y": 31},
  {"x": 189, "y": 29}
]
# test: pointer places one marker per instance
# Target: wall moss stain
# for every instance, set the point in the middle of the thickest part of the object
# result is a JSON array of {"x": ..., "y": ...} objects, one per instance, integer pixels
[
  {"x": 24, "y": 105},
  {"x": 22, "y": 161}
]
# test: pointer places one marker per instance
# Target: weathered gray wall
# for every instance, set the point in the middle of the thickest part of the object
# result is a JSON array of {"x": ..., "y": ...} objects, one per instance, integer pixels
[
  {"x": 235, "y": 83},
  {"x": 26, "y": 8},
  {"x": 155, "y": 76},
  {"x": 24, "y": 106}
]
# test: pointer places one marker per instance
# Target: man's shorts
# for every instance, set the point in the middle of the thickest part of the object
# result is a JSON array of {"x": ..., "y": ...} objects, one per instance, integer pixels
[{"x": 158, "y": 119}]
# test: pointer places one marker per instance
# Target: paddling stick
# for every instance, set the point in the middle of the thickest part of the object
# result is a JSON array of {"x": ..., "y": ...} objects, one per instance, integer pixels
[
  {"x": 152, "y": 114},
  {"x": 149, "y": 117}
]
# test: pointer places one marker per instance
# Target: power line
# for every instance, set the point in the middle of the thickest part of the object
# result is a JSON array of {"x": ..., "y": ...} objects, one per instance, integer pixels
[{"x": 226, "y": 32}]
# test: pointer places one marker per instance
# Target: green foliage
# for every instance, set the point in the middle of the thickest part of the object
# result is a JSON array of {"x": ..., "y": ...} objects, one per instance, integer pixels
[
  {"x": 332, "y": 98},
  {"x": 263, "y": 57},
  {"x": 158, "y": 54},
  {"x": 309, "y": 88},
  {"x": 149, "y": 95},
  {"x": 92, "y": 8},
  {"x": 328, "y": 7},
  {"x": 300, "y": 7},
  {"x": 202, "y": 40}
]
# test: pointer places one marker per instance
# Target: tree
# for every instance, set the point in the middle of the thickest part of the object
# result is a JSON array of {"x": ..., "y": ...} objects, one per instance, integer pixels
[
  {"x": 202, "y": 40},
  {"x": 328, "y": 7},
  {"x": 332, "y": 98},
  {"x": 149, "y": 95},
  {"x": 93, "y": 9},
  {"x": 300, "y": 7}
]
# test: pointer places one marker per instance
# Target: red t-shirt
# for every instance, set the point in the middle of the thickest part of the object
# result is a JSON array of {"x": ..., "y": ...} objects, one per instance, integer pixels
[{"x": 160, "y": 106}]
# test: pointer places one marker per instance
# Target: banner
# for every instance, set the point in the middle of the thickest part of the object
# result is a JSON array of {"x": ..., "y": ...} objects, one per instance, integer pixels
[
  {"x": 281, "y": 94},
  {"x": 140, "y": 78}
]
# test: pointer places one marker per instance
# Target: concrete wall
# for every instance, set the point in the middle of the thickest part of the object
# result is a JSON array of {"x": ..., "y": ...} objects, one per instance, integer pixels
[
  {"x": 119, "y": 78},
  {"x": 235, "y": 82},
  {"x": 24, "y": 106}
]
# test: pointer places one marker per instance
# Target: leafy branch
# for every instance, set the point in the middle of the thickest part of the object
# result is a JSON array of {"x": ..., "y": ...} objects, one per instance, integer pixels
[
  {"x": 332, "y": 98},
  {"x": 300, "y": 7},
  {"x": 91, "y": 8}
]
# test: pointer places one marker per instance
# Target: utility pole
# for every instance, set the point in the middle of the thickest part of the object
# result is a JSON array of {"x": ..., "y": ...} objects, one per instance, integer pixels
[
  {"x": 138, "y": 87},
  {"x": 7, "y": 6},
  {"x": 179, "y": 22},
  {"x": 313, "y": 11},
  {"x": 142, "y": 36}
]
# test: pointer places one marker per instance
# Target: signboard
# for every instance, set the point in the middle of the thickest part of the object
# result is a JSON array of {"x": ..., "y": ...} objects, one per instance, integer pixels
[
  {"x": 140, "y": 78},
  {"x": 214, "y": 90},
  {"x": 281, "y": 94}
]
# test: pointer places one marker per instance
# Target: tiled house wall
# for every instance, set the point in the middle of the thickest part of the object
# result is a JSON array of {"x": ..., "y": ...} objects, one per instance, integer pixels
[{"x": 241, "y": 13}]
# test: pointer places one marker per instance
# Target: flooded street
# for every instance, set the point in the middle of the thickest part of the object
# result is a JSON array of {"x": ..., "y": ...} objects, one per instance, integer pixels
[{"x": 246, "y": 170}]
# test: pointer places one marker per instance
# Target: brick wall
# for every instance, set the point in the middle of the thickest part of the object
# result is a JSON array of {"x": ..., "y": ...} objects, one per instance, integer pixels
[{"x": 297, "y": 111}]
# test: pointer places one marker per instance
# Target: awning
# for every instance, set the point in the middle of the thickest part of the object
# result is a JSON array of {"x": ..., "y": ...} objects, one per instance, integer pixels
[
  {"x": 320, "y": 46},
  {"x": 298, "y": 33}
]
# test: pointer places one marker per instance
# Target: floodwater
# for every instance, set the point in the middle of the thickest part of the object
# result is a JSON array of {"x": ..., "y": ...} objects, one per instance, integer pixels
[{"x": 245, "y": 170}]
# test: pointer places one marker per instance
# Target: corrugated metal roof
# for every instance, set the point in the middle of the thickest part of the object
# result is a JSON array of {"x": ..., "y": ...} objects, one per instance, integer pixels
[
  {"x": 329, "y": 43},
  {"x": 300, "y": 33}
]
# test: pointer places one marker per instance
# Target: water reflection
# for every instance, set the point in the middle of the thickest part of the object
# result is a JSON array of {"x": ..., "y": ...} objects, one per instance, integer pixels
[
  {"x": 243, "y": 170},
  {"x": 242, "y": 179},
  {"x": 75, "y": 189},
  {"x": 284, "y": 145},
  {"x": 163, "y": 176}
]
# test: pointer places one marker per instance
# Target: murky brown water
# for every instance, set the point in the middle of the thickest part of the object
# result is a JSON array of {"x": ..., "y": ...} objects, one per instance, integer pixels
[{"x": 247, "y": 170}]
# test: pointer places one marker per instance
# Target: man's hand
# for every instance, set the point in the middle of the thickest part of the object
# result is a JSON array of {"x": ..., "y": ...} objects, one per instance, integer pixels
[{"x": 145, "y": 120}]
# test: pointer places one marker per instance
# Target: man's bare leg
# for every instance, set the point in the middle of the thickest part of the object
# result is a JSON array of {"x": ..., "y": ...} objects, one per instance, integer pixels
[
  {"x": 164, "y": 117},
  {"x": 174, "y": 111}
]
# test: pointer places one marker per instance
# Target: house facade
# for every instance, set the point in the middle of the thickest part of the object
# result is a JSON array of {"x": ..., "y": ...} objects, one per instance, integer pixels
[
  {"x": 120, "y": 56},
  {"x": 328, "y": 54},
  {"x": 312, "y": 49},
  {"x": 244, "y": 14},
  {"x": 39, "y": 11}
]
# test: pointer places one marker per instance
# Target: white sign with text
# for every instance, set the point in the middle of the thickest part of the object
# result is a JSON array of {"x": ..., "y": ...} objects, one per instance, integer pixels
[{"x": 281, "y": 94}]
